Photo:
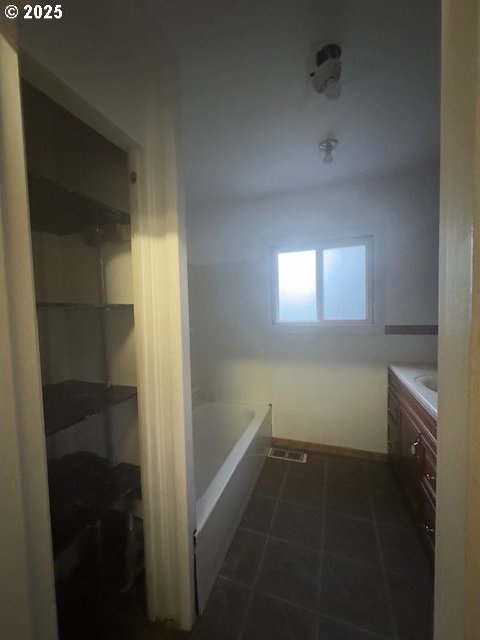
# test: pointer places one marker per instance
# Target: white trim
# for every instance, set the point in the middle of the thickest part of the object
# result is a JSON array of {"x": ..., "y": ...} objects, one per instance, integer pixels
[
  {"x": 457, "y": 557},
  {"x": 27, "y": 586},
  {"x": 166, "y": 450}
]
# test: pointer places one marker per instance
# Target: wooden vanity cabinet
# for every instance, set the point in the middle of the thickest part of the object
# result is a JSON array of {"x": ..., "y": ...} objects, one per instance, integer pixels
[
  {"x": 412, "y": 450},
  {"x": 394, "y": 429},
  {"x": 412, "y": 461}
]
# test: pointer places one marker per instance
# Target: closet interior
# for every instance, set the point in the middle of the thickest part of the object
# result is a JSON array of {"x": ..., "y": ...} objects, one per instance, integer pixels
[{"x": 81, "y": 242}]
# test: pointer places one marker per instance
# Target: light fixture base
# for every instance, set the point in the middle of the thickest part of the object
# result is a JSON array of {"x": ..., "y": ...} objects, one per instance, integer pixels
[{"x": 326, "y": 147}]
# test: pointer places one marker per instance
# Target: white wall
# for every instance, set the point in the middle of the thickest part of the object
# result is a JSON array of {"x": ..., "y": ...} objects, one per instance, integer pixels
[{"x": 328, "y": 388}]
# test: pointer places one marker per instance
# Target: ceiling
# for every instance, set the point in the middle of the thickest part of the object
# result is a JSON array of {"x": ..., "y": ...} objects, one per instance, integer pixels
[{"x": 251, "y": 121}]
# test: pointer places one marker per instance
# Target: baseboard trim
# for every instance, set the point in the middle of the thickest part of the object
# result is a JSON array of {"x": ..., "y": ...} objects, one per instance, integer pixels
[{"x": 315, "y": 447}]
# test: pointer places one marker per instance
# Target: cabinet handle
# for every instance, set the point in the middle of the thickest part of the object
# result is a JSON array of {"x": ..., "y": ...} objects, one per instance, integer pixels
[
  {"x": 430, "y": 478},
  {"x": 428, "y": 529},
  {"x": 413, "y": 447}
]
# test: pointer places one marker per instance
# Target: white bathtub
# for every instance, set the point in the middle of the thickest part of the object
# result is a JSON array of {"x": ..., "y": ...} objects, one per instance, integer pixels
[{"x": 231, "y": 442}]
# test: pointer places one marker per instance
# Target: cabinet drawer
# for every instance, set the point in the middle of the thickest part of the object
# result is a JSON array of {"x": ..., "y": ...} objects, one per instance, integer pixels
[{"x": 420, "y": 416}]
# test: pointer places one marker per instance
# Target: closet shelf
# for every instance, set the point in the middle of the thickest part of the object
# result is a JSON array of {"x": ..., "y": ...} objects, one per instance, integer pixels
[
  {"x": 71, "y": 401},
  {"x": 82, "y": 305},
  {"x": 56, "y": 209},
  {"x": 82, "y": 488}
]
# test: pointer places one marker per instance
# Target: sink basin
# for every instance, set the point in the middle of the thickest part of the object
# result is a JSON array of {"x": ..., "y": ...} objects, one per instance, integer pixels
[{"x": 430, "y": 382}]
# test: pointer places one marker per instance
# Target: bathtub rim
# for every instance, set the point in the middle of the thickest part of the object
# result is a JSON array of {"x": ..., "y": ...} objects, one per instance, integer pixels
[{"x": 205, "y": 504}]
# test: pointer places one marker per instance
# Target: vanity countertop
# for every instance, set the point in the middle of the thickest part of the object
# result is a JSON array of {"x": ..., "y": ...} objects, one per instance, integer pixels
[{"x": 421, "y": 380}]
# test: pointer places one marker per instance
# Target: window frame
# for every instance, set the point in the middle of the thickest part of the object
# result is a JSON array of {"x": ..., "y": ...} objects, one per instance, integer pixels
[{"x": 365, "y": 241}]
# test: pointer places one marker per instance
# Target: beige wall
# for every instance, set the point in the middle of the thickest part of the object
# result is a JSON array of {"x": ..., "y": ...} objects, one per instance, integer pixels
[{"x": 326, "y": 387}]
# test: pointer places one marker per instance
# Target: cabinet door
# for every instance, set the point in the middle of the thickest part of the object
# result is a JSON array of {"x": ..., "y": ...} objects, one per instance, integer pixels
[
  {"x": 394, "y": 431},
  {"x": 412, "y": 460},
  {"x": 429, "y": 479},
  {"x": 428, "y": 524}
]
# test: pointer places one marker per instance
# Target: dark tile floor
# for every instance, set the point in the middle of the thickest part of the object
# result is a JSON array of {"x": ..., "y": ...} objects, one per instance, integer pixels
[{"x": 325, "y": 551}]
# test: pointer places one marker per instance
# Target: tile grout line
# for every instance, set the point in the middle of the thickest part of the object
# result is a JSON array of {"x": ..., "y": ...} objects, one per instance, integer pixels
[
  {"x": 300, "y": 606},
  {"x": 382, "y": 565},
  {"x": 303, "y": 608},
  {"x": 318, "y": 550},
  {"x": 344, "y": 513},
  {"x": 284, "y": 475},
  {"x": 262, "y": 556},
  {"x": 272, "y": 596},
  {"x": 357, "y": 628}
]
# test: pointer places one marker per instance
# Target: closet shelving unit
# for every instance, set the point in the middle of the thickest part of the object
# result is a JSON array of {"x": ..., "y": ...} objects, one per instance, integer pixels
[
  {"x": 69, "y": 402},
  {"x": 89, "y": 485},
  {"x": 78, "y": 201},
  {"x": 79, "y": 212}
]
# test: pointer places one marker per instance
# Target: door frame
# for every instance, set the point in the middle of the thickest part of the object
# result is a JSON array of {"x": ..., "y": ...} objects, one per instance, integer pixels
[{"x": 457, "y": 570}]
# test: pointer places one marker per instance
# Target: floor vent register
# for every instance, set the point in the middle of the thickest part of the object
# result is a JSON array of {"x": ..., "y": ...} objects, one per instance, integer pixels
[{"x": 287, "y": 454}]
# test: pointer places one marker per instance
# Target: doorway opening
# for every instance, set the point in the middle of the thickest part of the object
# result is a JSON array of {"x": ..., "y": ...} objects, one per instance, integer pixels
[{"x": 81, "y": 246}]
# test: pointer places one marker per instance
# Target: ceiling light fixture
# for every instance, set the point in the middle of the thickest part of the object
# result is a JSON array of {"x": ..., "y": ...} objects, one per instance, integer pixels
[
  {"x": 326, "y": 147},
  {"x": 328, "y": 69}
]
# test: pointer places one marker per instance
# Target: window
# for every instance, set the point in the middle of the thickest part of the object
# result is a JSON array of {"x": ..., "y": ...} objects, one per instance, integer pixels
[{"x": 327, "y": 284}]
